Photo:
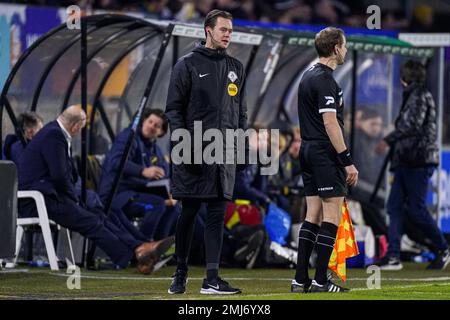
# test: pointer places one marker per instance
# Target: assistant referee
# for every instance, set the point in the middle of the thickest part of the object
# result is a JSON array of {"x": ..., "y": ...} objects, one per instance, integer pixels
[{"x": 327, "y": 167}]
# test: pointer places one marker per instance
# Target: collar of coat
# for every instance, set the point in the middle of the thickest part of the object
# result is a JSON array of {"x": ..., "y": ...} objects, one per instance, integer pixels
[
  {"x": 413, "y": 85},
  {"x": 211, "y": 53}
]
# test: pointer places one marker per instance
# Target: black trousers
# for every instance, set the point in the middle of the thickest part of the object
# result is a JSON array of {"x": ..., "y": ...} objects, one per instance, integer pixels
[
  {"x": 213, "y": 235},
  {"x": 108, "y": 233}
]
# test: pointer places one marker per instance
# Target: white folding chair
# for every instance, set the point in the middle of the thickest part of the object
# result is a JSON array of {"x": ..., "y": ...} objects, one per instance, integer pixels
[{"x": 44, "y": 222}]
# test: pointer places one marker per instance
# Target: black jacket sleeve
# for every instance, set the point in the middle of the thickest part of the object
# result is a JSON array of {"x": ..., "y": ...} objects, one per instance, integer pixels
[
  {"x": 178, "y": 95},
  {"x": 243, "y": 120},
  {"x": 411, "y": 118}
]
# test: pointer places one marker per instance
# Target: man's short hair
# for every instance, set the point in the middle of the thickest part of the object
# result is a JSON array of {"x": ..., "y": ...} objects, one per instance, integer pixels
[
  {"x": 413, "y": 71},
  {"x": 28, "y": 120},
  {"x": 326, "y": 39},
  {"x": 369, "y": 113},
  {"x": 211, "y": 18},
  {"x": 159, "y": 113}
]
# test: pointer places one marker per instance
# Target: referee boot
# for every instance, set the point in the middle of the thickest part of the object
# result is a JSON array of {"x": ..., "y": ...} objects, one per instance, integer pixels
[
  {"x": 218, "y": 286},
  {"x": 300, "y": 287},
  {"x": 329, "y": 286}
]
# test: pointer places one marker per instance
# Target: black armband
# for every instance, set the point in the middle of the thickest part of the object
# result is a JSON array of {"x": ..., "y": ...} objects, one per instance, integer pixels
[{"x": 345, "y": 158}]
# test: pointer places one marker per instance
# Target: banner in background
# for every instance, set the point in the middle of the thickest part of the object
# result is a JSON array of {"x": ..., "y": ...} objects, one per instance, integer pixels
[
  {"x": 39, "y": 21},
  {"x": 445, "y": 192},
  {"x": 373, "y": 81},
  {"x": 4, "y": 51}
]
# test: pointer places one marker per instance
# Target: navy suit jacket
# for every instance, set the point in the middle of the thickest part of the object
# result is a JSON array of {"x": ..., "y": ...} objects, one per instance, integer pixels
[{"x": 46, "y": 166}]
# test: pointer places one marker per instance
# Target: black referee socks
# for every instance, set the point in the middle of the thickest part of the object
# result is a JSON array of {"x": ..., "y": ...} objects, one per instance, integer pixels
[
  {"x": 307, "y": 238},
  {"x": 324, "y": 247}
]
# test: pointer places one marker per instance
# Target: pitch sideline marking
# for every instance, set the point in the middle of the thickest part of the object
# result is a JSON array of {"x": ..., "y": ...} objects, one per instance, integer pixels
[{"x": 429, "y": 279}]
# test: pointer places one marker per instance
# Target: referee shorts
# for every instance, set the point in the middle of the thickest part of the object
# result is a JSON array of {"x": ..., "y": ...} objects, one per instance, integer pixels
[{"x": 322, "y": 173}]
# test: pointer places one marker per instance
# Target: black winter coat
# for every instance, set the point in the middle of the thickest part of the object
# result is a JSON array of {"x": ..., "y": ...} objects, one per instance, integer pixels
[
  {"x": 206, "y": 85},
  {"x": 415, "y": 136}
]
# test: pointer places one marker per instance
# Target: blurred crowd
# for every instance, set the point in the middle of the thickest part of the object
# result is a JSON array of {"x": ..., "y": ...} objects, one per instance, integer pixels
[{"x": 420, "y": 18}]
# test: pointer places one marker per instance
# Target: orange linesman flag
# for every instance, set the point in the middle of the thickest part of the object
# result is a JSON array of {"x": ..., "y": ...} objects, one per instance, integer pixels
[{"x": 345, "y": 245}]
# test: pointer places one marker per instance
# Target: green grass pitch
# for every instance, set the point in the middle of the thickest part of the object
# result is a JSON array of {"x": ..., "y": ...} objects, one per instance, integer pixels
[{"x": 412, "y": 283}]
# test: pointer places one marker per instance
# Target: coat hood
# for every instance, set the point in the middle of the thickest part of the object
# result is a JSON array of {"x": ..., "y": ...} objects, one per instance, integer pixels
[{"x": 211, "y": 53}]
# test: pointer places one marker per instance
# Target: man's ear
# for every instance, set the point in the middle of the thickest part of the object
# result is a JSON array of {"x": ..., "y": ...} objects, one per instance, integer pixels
[
  {"x": 76, "y": 127},
  {"x": 72, "y": 129}
]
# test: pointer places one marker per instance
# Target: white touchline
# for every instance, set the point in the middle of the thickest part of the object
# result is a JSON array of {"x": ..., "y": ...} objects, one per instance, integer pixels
[{"x": 111, "y": 277}]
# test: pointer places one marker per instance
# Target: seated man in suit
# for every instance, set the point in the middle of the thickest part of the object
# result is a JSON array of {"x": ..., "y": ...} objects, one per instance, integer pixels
[
  {"x": 146, "y": 162},
  {"x": 46, "y": 165}
]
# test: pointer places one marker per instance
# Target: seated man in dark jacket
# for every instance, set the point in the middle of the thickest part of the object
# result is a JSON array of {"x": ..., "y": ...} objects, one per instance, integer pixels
[
  {"x": 29, "y": 123},
  {"x": 283, "y": 186},
  {"x": 47, "y": 166},
  {"x": 249, "y": 183},
  {"x": 145, "y": 163}
]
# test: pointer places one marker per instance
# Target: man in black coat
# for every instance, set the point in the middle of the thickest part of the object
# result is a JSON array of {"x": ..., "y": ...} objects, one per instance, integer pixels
[
  {"x": 206, "y": 85},
  {"x": 414, "y": 158},
  {"x": 46, "y": 165}
]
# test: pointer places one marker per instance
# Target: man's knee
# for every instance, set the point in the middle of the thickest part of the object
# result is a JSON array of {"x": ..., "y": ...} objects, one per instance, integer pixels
[
  {"x": 314, "y": 213},
  {"x": 332, "y": 209},
  {"x": 314, "y": 218}
]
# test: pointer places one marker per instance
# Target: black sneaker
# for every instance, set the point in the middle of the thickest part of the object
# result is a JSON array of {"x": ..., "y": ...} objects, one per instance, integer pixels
[
  {"x": 218, "y": 286},
  {"x": 441, "y": 261},
  {"x": 390, "y": 264},
  {"x": 300, "y": 287},
  {"x": 179, "y": 281},
  {"x": 328, "y": 287}
]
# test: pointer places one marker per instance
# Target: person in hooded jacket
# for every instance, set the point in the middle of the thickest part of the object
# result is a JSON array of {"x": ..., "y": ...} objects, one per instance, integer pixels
[
  {"x": 146, "y": 162},
  {"x": 206, "y": 85}
]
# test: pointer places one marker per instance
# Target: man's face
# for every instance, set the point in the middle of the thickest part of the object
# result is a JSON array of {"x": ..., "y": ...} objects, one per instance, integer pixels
[
  {"x": 31, "y": 132},
  {"x": 152, "y": 127},
  {"x": 76, "y": 128},
  {"x": 294, "y": 148},
  {"x": 372, "y": 127},
  {"x": 220, "y": 35},
  {"x": 342, "y": 52}
]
